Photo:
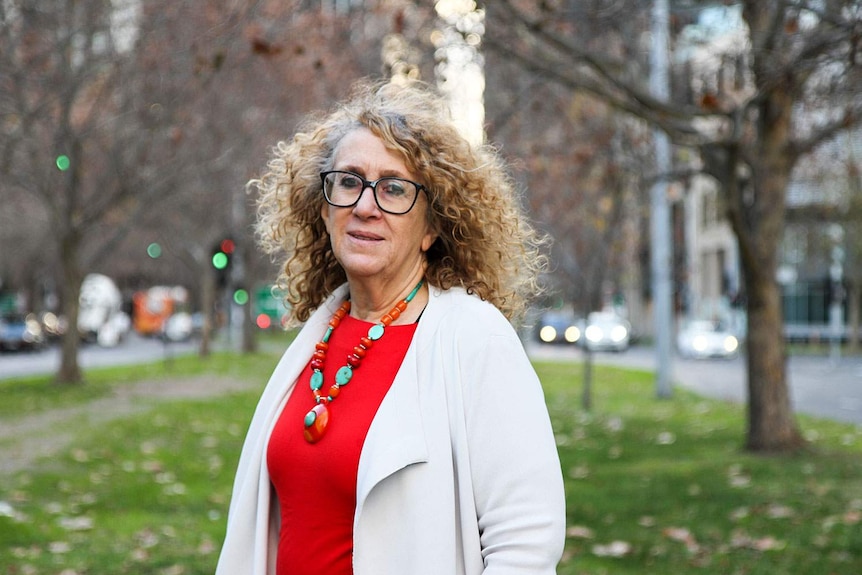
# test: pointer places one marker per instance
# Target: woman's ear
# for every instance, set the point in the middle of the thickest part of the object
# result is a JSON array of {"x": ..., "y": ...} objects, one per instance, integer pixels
[
  {"x": 428, "y": 241},
  {"x": 324, "y": 215}
]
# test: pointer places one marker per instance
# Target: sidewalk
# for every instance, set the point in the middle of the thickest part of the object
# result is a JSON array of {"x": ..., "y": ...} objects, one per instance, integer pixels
[{"x": 819, "y": 386}]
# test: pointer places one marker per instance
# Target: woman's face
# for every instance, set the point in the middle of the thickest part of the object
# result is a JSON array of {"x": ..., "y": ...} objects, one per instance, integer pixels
[{"x": 367, "y": 242}]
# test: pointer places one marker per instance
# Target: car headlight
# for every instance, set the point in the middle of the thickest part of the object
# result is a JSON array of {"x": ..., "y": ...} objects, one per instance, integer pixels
[
  {"x": 619, "y": 333},
  {"x": 699, "y": 343},
  {"x": 33, "y": 330},
  {"x": 594, "y": 333},
  {"x": 730, "y": 344},
  {"x": 572, "y": 334},
  {"x": 548, "y": 334}
]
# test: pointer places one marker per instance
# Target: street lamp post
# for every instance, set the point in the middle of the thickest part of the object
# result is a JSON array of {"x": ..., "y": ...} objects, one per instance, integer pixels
[
  {"x": 836, "y": 304},
  {"x": 660, "y": 239}
]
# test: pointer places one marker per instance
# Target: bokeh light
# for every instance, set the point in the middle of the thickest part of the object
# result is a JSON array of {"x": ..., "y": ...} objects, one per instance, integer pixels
[
  {"x": 263, "y": 321},
  {"x": 227, "y": 246},
  {"x": 220, "y": 260},
  {"x": 240, "y": 296},
  {"x": 154, "y": 250},
  {"x": 63, "y": 162}
]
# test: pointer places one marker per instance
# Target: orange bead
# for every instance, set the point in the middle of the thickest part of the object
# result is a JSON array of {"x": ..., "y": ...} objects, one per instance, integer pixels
[
  {"x": 321, "y": 346},
  {"x": 334, "y": 391},
  {"x": 316, "y": 421},
  {"x": 401, "y": 306},
  {"x": 395, "y": 313},
  {"x": 366, "y": 343},
  {"x": 386, "y": 319},
  {"x": 359, "y": 351}
]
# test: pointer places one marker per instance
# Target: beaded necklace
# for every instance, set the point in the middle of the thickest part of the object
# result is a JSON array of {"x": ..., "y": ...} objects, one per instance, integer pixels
[{"x": 317, "y": 419}]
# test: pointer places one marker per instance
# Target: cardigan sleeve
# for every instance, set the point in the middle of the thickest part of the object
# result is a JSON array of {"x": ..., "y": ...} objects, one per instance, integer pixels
[{"x": 515, "y": 468}]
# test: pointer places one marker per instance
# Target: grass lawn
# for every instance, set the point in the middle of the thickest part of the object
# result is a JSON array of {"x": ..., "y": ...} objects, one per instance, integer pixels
[{"x": 659, "y": 487}]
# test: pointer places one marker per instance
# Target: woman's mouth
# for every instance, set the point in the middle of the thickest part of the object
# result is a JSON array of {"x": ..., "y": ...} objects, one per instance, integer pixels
[{"x": 365, "y": 237}]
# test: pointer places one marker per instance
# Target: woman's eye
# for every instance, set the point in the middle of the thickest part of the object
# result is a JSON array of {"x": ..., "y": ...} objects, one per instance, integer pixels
[
  {"x": 349, "y": 181},
  {"x": 394, "y": 187}
]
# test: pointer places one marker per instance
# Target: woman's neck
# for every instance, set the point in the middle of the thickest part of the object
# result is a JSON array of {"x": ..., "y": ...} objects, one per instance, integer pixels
[{"x": 369, "y": 304}]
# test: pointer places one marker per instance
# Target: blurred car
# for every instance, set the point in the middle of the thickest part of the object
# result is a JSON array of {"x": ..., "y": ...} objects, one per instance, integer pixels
[
  {"x": 702, "y": 339},
  {"x": 20, "y": 332},
  {"x": 606, "y": 331},
  {"x": 179, "y": 327},
  {"x": 53, "y": 325},
  {"x": 558, "y": 327}
]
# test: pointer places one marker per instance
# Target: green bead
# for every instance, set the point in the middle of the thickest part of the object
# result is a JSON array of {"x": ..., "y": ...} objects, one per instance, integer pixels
[
  {"x": 309, "y": 418},
  {"x": 316, "y": 380},
  {"x": 343, "y": 375},
  {"x": 376, "y": 331}
]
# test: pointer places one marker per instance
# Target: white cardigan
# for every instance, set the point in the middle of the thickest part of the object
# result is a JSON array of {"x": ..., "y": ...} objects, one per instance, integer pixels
[{"x": 459, "y": 473}]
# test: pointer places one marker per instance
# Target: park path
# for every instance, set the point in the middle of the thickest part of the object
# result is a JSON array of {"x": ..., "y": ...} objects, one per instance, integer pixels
[{"x": 26, "y": 439}]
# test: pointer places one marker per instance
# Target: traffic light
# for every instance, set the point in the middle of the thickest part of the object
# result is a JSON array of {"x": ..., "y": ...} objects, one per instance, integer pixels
[{"x": 221, "y": 260}]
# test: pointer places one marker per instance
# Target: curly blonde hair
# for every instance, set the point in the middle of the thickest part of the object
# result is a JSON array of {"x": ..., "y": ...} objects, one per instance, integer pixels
[{"x": 485, "y": 243}]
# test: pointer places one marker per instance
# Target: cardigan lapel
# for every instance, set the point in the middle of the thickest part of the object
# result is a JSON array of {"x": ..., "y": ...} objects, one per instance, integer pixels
[{"x": 396, "y": 437}]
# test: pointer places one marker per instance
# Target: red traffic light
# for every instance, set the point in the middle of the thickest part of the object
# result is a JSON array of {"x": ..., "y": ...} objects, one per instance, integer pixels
[{"x": 227, "y": 246}]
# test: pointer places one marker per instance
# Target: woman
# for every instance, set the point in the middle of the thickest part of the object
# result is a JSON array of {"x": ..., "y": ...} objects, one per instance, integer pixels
[{"x": 404, "y": 431}]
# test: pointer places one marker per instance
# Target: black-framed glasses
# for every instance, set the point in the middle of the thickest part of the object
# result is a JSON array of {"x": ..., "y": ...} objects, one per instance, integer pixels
[{"x": 393, "y": 195}]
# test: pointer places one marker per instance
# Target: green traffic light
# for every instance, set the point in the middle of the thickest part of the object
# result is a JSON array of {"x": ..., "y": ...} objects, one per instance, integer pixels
[
  {"x": 220, "y": 260},
  {"x": 63, "y": 162},
  {"x": 240, "y": 296},
  {"x": 154, "y": 250}
]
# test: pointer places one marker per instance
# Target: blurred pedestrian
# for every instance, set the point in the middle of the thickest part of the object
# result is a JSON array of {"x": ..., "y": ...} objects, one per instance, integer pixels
[{"x": 404, "y": 431}]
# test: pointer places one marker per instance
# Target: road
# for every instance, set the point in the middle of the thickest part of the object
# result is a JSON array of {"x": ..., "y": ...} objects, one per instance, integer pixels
[
  {"x": 819, "y": 386},
  {"x": 134, "y": 349}
]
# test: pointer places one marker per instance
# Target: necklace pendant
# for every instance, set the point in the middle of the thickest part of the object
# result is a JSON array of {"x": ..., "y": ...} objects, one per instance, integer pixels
[{"x": 316, "y": 421}]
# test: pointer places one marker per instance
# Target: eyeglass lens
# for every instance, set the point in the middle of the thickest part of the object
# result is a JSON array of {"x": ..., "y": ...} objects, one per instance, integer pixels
[{"x": 392, "y": 194}]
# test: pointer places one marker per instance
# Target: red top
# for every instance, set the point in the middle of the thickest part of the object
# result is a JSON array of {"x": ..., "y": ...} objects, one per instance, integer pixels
[{"x": 316, "y": 483}]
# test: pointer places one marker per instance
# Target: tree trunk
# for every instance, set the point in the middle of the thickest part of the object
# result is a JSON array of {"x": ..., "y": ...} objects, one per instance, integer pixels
[
  {"x": 758, "y": 176},
  {"x": 249, "y": 335},
  {"x": 587, "y": 394},
  {"x": 771, "y": 424},
  {"x": 208, "y": 290},
  {"x": 854, "y": 294},
  {"x": 70, "y": 371}
]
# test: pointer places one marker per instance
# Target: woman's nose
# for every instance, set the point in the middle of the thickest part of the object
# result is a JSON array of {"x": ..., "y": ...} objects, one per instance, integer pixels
[{"x": 366, "y": 203}]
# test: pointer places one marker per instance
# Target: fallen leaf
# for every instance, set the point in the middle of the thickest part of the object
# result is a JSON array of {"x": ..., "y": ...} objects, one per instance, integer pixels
[
  {"x": 6, "y": 509},
  {"x": 646, "y": 521},
  {"x": 80, "y": 455},
  {"x": 206, "y": 547},
  {"x": 139, "y": 555},
  {"x": 682, "y": 535},
  {"x": 740, "y": 482},
  {"x": 147, "y": 538},
  {"x": 579, "y": 532},
  {"x": 579, "y": 472},
  {"x": 768, "y": 544},
  {"x": 613, "y": 549},
  {"x": 666, "y": 438},
  {"x": 76, "y": 523},
  {"x": 777, "y": 511},
  {"x": 58, "y": 547}
]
